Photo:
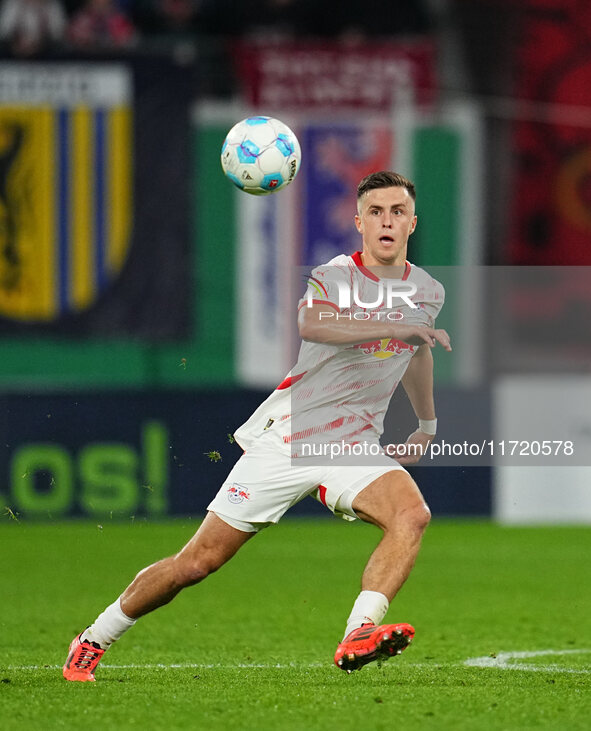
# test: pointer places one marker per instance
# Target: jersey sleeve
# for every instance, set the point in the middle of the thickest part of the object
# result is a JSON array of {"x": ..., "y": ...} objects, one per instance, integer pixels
[
  {"x": 323, "y": 286},
  {"x": 429, "y": 300}
]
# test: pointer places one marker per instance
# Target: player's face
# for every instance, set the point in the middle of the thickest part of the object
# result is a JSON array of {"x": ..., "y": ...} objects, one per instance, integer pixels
[{"x": 385, "y": 219}]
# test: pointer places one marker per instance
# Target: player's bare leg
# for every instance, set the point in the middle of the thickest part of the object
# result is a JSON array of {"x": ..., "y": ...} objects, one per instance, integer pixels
[
  {"x": 212, "y": 545},
  {"x": 394, "y": 503}
]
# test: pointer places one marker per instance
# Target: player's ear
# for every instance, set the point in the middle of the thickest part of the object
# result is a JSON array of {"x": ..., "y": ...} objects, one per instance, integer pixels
[
  {"x": 413, "y": 225},
  {"x": 358, "y": 222}
]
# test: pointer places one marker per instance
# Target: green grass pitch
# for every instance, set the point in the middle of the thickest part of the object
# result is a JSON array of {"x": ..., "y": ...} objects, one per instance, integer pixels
[{"x": 252, "y": 647}]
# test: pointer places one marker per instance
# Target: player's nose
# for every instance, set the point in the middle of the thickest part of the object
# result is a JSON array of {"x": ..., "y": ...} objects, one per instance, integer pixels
[{"x": 387, "y": 219}]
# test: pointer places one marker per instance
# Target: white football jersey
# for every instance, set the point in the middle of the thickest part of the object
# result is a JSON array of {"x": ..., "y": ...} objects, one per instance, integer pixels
[{"x": 340, "y": 393}]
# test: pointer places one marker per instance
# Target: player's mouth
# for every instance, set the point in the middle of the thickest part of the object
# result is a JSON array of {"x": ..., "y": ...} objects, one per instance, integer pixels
[{"x": 386, "y": 240}]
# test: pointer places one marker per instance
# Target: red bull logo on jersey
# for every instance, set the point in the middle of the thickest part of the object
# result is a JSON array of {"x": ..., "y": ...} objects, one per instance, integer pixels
[
  {"x": 385, "y": 348},
  {"x": 238, "y": 493}
]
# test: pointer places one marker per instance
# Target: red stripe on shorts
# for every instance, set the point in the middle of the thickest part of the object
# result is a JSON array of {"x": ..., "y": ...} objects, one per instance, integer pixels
[{"x": 322, "y": 495}]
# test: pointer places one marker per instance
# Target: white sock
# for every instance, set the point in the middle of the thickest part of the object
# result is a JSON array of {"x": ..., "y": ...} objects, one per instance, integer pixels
[
  {"x": 108, "y": 626},
  {"x": 369, "y": 607}
]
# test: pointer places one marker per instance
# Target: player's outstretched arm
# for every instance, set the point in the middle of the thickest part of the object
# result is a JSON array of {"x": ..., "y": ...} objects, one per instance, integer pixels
[
  {"x": 418, "y": 384},
  {"x": 323, "y": 324}
]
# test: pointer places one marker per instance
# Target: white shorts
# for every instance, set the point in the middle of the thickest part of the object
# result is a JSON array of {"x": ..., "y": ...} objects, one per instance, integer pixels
[{"x": 265, "y": 483}]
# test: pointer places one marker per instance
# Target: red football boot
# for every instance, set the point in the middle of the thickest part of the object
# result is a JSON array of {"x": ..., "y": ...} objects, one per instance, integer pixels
[
  {"x": 83, "y": 657},
  {"x": 369, "y": 642}
]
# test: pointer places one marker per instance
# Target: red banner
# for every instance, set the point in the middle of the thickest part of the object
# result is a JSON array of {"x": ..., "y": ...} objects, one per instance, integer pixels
[
  {"x": 323, "y": 74},
  {"x": 552, "y": 193}
]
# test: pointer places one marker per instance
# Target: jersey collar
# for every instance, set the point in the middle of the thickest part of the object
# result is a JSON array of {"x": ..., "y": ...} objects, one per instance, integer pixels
[{"x": 369, "y": 274}]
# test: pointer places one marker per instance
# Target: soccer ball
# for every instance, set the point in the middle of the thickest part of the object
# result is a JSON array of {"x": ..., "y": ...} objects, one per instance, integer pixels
[{"x": 261, "y": 155}]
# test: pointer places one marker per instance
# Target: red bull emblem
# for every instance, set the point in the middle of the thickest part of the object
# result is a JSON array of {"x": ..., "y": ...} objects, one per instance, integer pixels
[
  {"x": 238, "y": 494},
  {"x": 385, "y": 348}
]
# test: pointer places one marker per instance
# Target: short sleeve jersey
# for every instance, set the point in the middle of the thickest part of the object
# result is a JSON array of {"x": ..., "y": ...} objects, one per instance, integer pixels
[{"x": 340, "y": 393}]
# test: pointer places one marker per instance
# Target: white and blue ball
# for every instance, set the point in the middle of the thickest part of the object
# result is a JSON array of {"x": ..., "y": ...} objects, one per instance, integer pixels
[{"x": 261, "y": 155}]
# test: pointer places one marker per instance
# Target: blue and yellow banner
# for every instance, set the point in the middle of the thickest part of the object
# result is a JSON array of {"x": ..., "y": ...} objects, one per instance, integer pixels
[{"x": 65, "y": 187}]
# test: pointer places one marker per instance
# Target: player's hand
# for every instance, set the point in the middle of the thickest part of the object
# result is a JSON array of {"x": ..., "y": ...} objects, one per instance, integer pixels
[
  {"x": 412, "y": 450},
  {"x": 419, "y": 334}
]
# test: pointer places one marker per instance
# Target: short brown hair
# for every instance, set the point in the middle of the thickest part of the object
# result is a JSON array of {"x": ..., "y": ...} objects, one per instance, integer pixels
[{"x": 385, "y": 179}]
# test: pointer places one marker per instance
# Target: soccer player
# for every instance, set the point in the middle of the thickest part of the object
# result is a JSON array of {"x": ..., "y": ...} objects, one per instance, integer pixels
[{"x": 333, "y": 403}]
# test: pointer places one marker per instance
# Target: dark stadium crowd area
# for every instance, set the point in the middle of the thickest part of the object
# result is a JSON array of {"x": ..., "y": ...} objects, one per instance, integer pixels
[
  {"x": 32, "y": 28},
  {"x": 474, "y": 39}
]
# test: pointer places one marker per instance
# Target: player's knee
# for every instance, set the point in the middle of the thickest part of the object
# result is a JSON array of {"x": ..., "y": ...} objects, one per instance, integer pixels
[
  {"x": 189, "y": 575},
  {"x": 393, "y": 501},
  {"x": 414, "y": 515},
  {"x": 421, "y": 515},
  {"x": 189, "y": 572},
  {"x": 411, "y": 507},
  {"x": 411, "y": 510}
]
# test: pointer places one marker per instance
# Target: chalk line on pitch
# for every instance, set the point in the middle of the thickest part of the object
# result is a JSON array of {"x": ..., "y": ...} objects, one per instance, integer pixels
[
  {"x": 502, "y": 661},
  {"x": 209, "y": 666}
]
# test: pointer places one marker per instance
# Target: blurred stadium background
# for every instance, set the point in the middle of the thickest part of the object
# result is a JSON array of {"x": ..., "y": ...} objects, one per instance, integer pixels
[{"x": 146, "y": 306}]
